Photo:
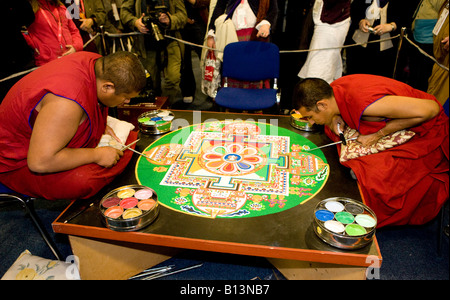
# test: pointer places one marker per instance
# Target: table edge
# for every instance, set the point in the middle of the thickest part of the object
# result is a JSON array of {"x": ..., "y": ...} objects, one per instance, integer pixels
[{"x": 340, "y": 258}]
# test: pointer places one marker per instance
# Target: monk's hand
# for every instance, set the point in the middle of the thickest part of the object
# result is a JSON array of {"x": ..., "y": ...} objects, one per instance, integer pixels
[
  {"x": 334, "y": 124},
  {"x": 368, "y": 140},
  {"x": 107, "y": 156}
]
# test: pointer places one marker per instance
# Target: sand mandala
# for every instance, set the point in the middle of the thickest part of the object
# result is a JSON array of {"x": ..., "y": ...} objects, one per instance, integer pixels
[{"x": 232, "y": 169}]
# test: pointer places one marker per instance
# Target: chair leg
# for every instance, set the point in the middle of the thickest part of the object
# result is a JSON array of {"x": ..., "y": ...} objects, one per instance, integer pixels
[{"x": 29, "y": 206}]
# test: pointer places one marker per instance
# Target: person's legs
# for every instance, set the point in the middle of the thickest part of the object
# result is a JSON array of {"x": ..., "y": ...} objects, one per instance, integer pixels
[
  {"x": 150, "y": 65},
  {"x": 80, "y": 183},
  {"x": 187, "y": 83},
  {"x": 172, "y": 73}
]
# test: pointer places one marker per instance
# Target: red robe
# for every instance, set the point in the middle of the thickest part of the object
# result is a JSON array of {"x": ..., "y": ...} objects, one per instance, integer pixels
[
  {"x": 71, "y": 77},
  {"x": 406, "y": 184}
]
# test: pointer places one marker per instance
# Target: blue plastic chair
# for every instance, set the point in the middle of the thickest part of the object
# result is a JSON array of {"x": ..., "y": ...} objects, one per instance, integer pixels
[
  {"x": 249, "y": 61},
  {"x": 27, "y": 202}
]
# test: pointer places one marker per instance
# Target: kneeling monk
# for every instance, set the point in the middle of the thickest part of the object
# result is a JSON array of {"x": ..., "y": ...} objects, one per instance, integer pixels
[
  {"x": 405, "y": 184},
  {"x": 53, "y": 119}
]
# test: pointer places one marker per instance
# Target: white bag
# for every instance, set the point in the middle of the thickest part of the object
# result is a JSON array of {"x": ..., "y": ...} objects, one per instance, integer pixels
[{"x": 211, "y": 75}]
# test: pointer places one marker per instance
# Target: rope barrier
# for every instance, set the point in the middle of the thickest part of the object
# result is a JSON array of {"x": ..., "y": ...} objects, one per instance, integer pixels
[
  {"x": 119, "y": 35},
  {"x": 342, "y": 47},
  {"x": 18, "y": 74},
  {"x": 191, "y": 44},
  {"x": 426, "y": 54},
  {"x": 92, "y": 39}
]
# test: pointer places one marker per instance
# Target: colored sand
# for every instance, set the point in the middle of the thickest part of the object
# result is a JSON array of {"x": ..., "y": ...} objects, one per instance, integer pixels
[
  {"x": 114, "y": 212},
  {"x": 334, "y": 226},
  {"x": 163, "y": 113},
  {"x": 334, "y": 206},
  {"x": 143, "y": 194},
  {"x": 129, "y": 202},
  {"x": 365, "y": 221},
  {"x": 355, "y": 229},
  {"x": 146, "y": 204},
  {"x": 324, "y": 215},
  {"x": 113, "y": 201},
  {"x": 132, "y": 213},
  {"x": 354, "y": 209},
  {"x": 345, "y": 217},
  {"x": 143, "y": 120},
  {"x": 125, "y": 193}
]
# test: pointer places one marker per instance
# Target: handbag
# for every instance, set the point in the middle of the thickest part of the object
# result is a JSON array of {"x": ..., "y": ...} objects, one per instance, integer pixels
[
  {"x": 226, "y": 33},
  {"x": 211, "y": 75}
]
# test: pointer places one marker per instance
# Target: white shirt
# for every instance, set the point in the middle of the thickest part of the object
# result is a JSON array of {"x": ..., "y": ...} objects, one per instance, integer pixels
[{"x": 243, "y": 18}]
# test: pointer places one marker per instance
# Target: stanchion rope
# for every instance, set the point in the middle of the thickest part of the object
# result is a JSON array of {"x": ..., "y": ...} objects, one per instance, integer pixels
[{"x": 119, "y": 35}]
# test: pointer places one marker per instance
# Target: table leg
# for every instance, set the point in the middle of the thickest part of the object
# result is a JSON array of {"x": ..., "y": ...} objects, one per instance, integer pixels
[
  {"x": 304, "y": 270},
  {"x": 103, "y": 260},
  {"x": 109, "y": 260}
]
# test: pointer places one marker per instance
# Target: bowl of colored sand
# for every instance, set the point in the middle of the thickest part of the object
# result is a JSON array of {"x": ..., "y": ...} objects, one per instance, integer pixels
[
  {"x": 129, "y": 208},
  {"x": 344, "y": 223},
  {"x": 155, "y": 121},
  {"x": 299, "y": 122}
]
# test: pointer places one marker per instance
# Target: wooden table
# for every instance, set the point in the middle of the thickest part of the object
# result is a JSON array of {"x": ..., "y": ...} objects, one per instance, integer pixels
[{"x": 287, "y": 239}]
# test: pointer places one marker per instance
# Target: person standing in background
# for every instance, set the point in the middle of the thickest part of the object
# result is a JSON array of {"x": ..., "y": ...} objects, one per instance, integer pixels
[
  {"x": 18, "y": 56},
  {"x": 331, "y": 24},
  {"x": 52, "y": 34},
  {"x": 373, "y": 21},
  {"x": 158, "y": 55},
  {"x": 438, "y": 82},
  {"x": 253, "y": 19},
  {"x": 424, "y": 20},
  {"x": 113, "y": 24},
  {"x": 194, "y": 32},
  {"x": 88, "y": 16}
]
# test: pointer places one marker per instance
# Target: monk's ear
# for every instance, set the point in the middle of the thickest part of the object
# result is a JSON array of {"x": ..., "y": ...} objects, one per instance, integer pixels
[
  {"x": 322, "y": 104},
  {"x": 107, "y": 87}
]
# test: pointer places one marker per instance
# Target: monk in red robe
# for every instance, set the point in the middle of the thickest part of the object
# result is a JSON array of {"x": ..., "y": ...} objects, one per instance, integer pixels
[
  {"x": 406, "y": 184},
  {"x": 52, "y": 121}
]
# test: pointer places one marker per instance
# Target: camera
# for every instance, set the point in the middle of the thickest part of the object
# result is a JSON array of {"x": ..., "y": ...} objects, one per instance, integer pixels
[
  {"x": 148, "y": 94},
  {"x": 151, "y": 21}
]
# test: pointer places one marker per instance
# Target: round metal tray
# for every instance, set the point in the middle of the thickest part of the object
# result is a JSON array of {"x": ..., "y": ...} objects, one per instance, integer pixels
[
  {"x": 155, "y": 121},
  {"x": 298, "y": 122},
  {"x": 344, "y": 223},
  {"x": 129, "y": 208}
]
